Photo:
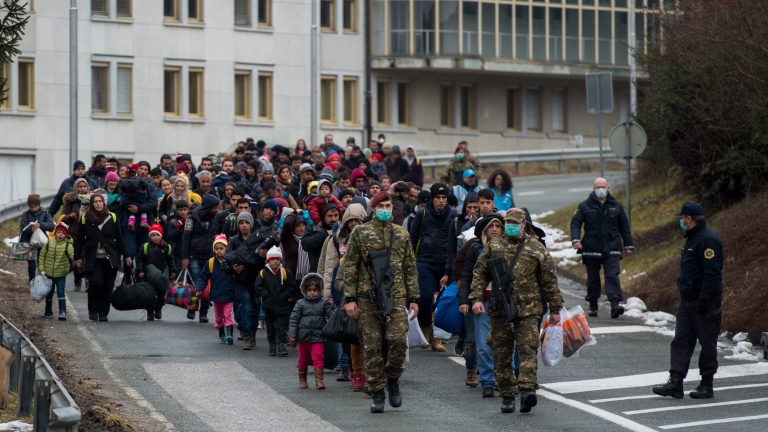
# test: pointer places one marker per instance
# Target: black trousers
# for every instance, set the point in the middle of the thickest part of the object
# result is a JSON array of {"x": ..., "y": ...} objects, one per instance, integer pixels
[
  {"x": 277, "y": 326},
  {"x": 691, "y": 327},
  {"x": 610, "y": 267},
  {"x": 102, "y": 280}
]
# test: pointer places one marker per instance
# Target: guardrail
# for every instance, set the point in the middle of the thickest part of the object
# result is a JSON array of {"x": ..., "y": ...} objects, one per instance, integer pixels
[
  {"x": 14, "y": 209},
  {"x": 41, "y": 392}
]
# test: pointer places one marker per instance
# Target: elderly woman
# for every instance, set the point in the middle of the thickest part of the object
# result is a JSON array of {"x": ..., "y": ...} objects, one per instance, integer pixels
[
  {"x": 179, "y": 193},
  {"x": 99, "y": 247}
]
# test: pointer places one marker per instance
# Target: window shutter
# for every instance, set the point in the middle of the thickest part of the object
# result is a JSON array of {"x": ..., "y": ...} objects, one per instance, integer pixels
[
  {"x": 123, "y": 8},
  {"x": 557, "y": 111},
  {"x": 532, "y": 109},
  {"x": 124, "y": 90},
  {"x": 242, "y": 13},
  {"x": 99, "y": 7},
  {"x": 99, "y": 84}
]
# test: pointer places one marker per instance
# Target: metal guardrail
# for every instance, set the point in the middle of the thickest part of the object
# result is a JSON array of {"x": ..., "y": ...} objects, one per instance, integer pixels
[
  {"x": 31, "y": 376},
  {"x": 14, "y": 209},
  {"x": 441, "y": 160}
]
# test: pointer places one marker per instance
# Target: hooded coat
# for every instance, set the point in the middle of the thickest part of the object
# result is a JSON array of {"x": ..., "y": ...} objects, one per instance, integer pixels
[
  {"x": 66, "y": 186},
  {"x": 309, "y": 315},
  {"x": 417, "y": 170},
  {"x": 467, "y": 257},
  {"x": 357, "y": 173},
  {"x": 72, "y": 204},
  {"x": 315, "y": 203},
  {"x": 288, "y": 243},
  {"x": 331, "y": 253}
]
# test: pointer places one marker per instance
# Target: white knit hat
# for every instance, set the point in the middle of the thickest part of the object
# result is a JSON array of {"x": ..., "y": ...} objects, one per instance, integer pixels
[{"x": 274, "y": 253}]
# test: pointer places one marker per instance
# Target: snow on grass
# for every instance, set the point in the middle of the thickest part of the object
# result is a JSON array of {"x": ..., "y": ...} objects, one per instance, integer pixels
[
  {"x": 8, "y": 273},
  {"x": 635, "y": 303},
  {"x": 658, "y": 319},
  {"x": 541, "y": 215},
  {"x": 638, "y": 275},
  {"x": 558, "y": 243},
  {"x": 16, "y": 425},
  {"x": 743, "y": 356},
  {"x": 740, "y": 337}
]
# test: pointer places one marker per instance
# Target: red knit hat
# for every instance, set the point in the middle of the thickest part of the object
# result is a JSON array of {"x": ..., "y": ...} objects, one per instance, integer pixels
[
  {"x": 156, "y": 228},
  {"x": 378, "y": 157},
  {"x": 378, "y": 198},
  {"x": 331, "y": 166},
  {"x": 62, "y": 227}
]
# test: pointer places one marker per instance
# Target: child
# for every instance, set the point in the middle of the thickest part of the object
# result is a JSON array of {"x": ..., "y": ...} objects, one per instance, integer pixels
[
  {"x": 41, "y": 220},
  {"x": 274, "y": 285},
  {"x": 155, "y": 261},
  {"x": 315, "y": 203},
  {"x": 222, "y": 289},
  {"x": 56, "y": 259},
  {"x": 174, "y": 229},
  {"x": 134, "y": 191},
  {"x": 307, "y": 321}
]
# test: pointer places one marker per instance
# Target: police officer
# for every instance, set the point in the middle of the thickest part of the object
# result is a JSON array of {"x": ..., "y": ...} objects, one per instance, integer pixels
[
  {"x": 605, "y": 228},
  {"x": 534, "y": 282},
  {"x": 380, "y": 235},
  {"x": 698, "y": 314}
]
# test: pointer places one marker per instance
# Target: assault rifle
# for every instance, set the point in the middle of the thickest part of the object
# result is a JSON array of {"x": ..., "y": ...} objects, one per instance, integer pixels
[{"x": 382, "y": 278}]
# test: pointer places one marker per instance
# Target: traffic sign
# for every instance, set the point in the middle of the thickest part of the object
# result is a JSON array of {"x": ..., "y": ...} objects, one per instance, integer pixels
[
  {"x": 600, "y": 92},
  {"x": 638, "y": 140}
]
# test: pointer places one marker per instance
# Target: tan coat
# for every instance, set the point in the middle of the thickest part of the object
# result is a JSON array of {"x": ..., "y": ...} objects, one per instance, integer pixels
[{"x": 329, "y": 256}]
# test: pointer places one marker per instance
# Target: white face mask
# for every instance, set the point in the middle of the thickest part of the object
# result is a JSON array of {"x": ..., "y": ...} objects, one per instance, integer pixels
[
  {"x": 601, "y": 192},
  {"x": 381, "y": 140}
]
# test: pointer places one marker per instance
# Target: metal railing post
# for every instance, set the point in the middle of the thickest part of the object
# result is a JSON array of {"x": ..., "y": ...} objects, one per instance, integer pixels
[
  {"x": 42, "y": 405},
  {"x": 26, "y": 385},
  {"x": 560, "y": 165},
  {"x": 14, "y": 344}
]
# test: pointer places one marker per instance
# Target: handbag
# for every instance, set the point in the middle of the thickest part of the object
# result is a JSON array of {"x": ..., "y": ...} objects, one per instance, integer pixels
[
  {"x": 340, "y": 328},
  {"x": 447, "y": 315},
  {"x": 132, "y": 295},
  {"x": 182, "y": 292}
]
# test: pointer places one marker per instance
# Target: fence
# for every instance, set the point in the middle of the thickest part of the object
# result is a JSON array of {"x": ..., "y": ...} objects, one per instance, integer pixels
[{"x": 41, "y": 392}]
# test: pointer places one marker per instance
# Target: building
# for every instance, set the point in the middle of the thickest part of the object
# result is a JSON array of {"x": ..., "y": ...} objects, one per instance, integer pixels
[{"x": 197, "y": 76}]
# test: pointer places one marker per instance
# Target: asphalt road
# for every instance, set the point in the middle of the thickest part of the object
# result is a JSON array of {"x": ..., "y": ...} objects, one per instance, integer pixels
[{"x": 545, "y": 193}]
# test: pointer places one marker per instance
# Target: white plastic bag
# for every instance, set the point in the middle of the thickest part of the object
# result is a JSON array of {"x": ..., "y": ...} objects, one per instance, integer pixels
[
  {"x": 38, "y": 238},
  {"x": 39, "y": 287},
  {"x": 415, "y": 337},
  {"x": 439, "y": 333},
  {"x": 552, "y": 344}
]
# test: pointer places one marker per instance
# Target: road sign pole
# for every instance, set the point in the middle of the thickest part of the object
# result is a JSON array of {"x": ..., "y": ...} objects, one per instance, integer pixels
[
  {"x": 600, "y": 132},
  {"x": 627, "y": 126}
]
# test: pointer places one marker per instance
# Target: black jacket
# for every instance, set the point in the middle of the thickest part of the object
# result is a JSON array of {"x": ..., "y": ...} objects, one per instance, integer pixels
[
  {"x": 244, "y": 253},
  {"x": 89, "y": 236},
  {"x": 197, "y": 240},
  {"x": 66, "y": 186},
  {"x": 605, "y": 227},
  {"x": 172, "y": 235},
  {"x": 474, "y": 248},
  {"x": 159, "y": 256},
  {"x": 41, "y": 216},
  {"x": 312, "y": 243},
  {"x": 275, "y": 289},
  {"x": 701, "y": 265},
  {"x": 427, "y": 226}
]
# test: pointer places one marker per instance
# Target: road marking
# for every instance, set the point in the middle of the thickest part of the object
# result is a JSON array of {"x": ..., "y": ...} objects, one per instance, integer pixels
[
  {"x": 621, "y": 329},
  {"x": 717, "y": 421},
  {"x": 685, "y": 407},
  {"x": 234, "y": 391},
  {"x": 605, "y": 415},
  {"x": 688, "y": 392},
  {"x": 458, "y": 359},
  {"x": 645, "y": 380},
  {"x": 580, "y": 190},
  {"x": 531, "y": 193},
  {"x": 130, "y": 391}
]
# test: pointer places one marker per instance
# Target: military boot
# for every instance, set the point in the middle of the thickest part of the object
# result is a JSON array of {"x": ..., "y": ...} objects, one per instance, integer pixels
[
  {"x": 320, "y": 379},
  {"x": 437, "y": 344},
  {"x": 616, "y": 310},
  {"x": 527, "y": 401},
  {"x": 250, "y": 343},
  {"x": 281, "y": 351},
  {"x": 705, "y": 389},
  {"x": 673, "y": 387},
  {"x": 62, "y": 309},
  {"x": 427, "y": 332},
  {"x": 592, "y": 308},
  {"x": 303, "y": 379},
  {"x": 393, "y": 388},
  {"x": 272, "y": 350},
  {"x": 377, "y": 406},
  {"x": 508, "y": 404},
  {"x": 471, "y": 380}
]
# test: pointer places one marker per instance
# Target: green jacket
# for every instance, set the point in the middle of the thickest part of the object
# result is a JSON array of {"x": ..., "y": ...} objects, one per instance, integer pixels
[{"x": 55, "y": 257}]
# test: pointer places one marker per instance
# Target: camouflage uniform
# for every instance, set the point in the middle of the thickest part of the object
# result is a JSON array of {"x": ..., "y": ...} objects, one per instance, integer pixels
[
  {"x": 374, "y": 236},
  {"x": 535, "y": 281},
  {"x": 452, "y": 175}
]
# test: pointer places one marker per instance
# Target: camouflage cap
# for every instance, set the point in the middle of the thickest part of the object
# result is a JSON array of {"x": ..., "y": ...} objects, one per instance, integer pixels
[{"x": 515, "y": 215}]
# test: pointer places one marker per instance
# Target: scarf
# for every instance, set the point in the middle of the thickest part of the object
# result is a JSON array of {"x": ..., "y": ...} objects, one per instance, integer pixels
[
  {"x": 84, "y": 198},
  {"x": 101, "y": 172},
  {"x": 183, "y": 196},
  {"x": 92, "y": 215},
  {"x": 112, "y": 197},
  {"x": 302, "y": 268},
  {"x": 410, "y": 159}
]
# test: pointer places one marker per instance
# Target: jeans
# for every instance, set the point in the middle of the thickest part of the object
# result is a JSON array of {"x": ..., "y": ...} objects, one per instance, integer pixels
[
  {"x": 134, "y": 239},
  {"x": 58, "y": 285},
  {"x": 277, "y": 326},
  {"x": 343, "y": 358},
  {"x": 482, "y": 323},
  {"x": 102, "y": 280},
  {"x": 470, "y": 348},
  {"x": 195, "y": 268},
  {"x": 247, "y": 306},
  {"x": 31, "y": 269},
  {"x": 262, "y": 315},
  {"x": 429, "y": 284}
]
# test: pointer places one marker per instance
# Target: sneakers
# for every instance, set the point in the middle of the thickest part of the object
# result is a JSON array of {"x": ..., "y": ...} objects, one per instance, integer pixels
[
  {"x": 230, "y": 339},
  {"x": 488, "y": 392},
  {"x": 377, "y": 406},
  {"x": 459, "y": 348},
  {"x": 272, "y": 350},
  {"x": 261, "y": 325},
  {"x": 203, "y": 317},
  {"x": 705, "y": 389},
  {"x": 508, "y": 404},
  {"x": 250, "y": 343},
  {"x": 358, "y": 381},
  {"x": 393, "y": 388},
  {"x": 343, "y": 374},
  {"x": 592, "y": 308},
  {"x": 616, "y": 310},
  {"x": 673, "y": 387},
  {"x": 222, "y": 336},
  {"x": 471, "y": 380},
  {"x": 191, "y": 315},
  {"x": 281, "y": 351},
  {"x": 527, "y": 401}
]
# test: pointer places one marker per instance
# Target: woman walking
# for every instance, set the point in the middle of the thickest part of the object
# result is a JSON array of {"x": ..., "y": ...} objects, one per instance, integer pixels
[{"x": 501, "y": 185}]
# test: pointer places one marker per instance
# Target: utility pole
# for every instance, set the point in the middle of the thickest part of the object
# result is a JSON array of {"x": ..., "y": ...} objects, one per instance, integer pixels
[
  {"x": 632, "y": 62},
  {"x": 313, "y": 75},
  {"x": 72, "y": 81},
  {"x": 368, "y": 97}
]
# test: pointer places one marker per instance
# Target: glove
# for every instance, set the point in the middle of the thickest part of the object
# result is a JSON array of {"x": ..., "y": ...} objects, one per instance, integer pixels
[
  {"x": 702, "y": 307},
  {"x": 179, "y": 225}
]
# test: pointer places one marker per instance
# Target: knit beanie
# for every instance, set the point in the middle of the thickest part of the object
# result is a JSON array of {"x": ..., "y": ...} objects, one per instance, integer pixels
[
  {"x": 156, "y": 228},
  {"x": 220, "y": 238},
  {"x": 269, "y": 204},
  {"x": 305, "y": 167},
  {"x": 439, "y": 189},
  {"x": 33, "y": 200},
  {"x": 274, "y": 253},
  {"x": 182, "y": 168},
  {"x": 268, "y": 168},
  {"x": 111, "y": 176},
  {"x": 367, "y": 152},
  {"x": 78, "y": 164},
  {"x": 62, "y": 227},
  {"x": 378, "y": 198},
  {"x": 345, "y": 192},
  {"x": 453, "y": 200},
  {"x": 326, "y": 208},
  {"x": 245, "y": 216},
  {"x": 424, "y": 197}
]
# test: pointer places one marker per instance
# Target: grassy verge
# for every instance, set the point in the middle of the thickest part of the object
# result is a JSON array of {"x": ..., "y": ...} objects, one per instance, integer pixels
[{"x": 9, "y": 414}]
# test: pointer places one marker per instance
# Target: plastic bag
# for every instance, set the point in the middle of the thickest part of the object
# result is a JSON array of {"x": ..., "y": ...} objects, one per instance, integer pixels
[
  {"x": 552, "y": 344},
  {"x": 440, "y": 333},
  {"x": 576, "y": 333},
  {"x": 38, "y": 238},
  {"x": 39, "y": 287},
  {"x": 415, "y": 336}
]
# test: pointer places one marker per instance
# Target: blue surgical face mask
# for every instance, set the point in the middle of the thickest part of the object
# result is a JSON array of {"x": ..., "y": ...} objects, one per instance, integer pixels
[
  {"x": 383, "y": 215},
  {"x": 459, "y": 156},
  {"x": 512, "y": 230},
  {"x": 682, "y": 226},
  {"x": 601, "y": 192}
]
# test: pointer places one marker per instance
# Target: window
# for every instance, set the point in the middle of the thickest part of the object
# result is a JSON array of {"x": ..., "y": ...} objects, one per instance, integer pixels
[
  {"x": 243, "y": 95},
  {"x": 404, "y": 103},
  {"x": 512, "y": 108},
  {"x": 265, "y": 96},
  {"x": 111, "y": 9},
  {"x": 539, "y": 29},
  {"x": 349, "y": 16},
  {"x": 124, "y": 8},
  {"x": 171, "y": 91},
  {"x": 604, "y": 37},
  {"x": 100, "y": 88},
  {"x": 328, "y": 99},
  {"x": 467, "y": 106},
  {"x": 532, "y": 110},
  {"x": 196, "y": 90},
  {"x": 328, "y": 15},
  {"x": 171, "y": 10},
  {"x": 195, "y": 11},
  {"x": 379, "y": 30},
  {"x": 350, "y": 100},
  {"x": 248, "y": 12},
  {"x": 505, "y": 30},
  {"x": 588, "y": 36},
  {"x": 124, "y": 89},
  {"x": 382, "y": 103},
  {"x": 446, "y": 106},
  {"x": 99, "y": 8},
  {"x": 424, "y": 27},
  {"x": 469, "y": 38},
  {"x": 26, "y": 79},
  {"x": 571, "y": 35},
  {"x": 243, "y": 13},
  {"x": 5, "y": 88},
  {"x": 621, "y": 44},
  {"x": 183, "y": 11},
  {"x": 399, "y": 42},
  {"x": 19, "y": 91},
  {"x": 449, "y": 27},
  {"x": 489, "y": 30},
  {"x": 265, "y": 13},
  {"x": 558, "y": 110},
  {"x": 522, "y": 15},
  {"x": 555, "y": 34}
]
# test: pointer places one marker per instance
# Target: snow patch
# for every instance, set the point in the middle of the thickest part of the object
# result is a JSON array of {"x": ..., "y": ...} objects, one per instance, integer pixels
[
  {"x": 666, "y": 332},
  {"x": 743, "y": 356},
  {"x": 8, "y": 241},
  {"x": 638, "y": 275},
  {"x": 741, "y": 336},
  {"x": 559, "y": 244},
  {"x": 8, "y": 273},
  {"x": 742, "y": 347},
  {"x": 566, "y": 262},
  {"x": 541, "y": 215},
  {"x": 658, "y": 319},
  {"x": 633, "y": 313},
  {"x": 15, "y": 425},
  {"x": 634, "y": 303}
]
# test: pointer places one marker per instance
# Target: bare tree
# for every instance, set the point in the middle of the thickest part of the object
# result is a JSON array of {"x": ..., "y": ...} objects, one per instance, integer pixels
[{"x": 11, "y": 29}]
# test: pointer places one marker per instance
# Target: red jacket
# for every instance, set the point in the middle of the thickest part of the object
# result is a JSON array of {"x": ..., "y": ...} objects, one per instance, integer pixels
[{"x": 315, "y": 204}]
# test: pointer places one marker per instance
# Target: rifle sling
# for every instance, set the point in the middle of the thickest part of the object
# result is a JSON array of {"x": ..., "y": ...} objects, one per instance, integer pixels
[{"x": 513, "y": 263}]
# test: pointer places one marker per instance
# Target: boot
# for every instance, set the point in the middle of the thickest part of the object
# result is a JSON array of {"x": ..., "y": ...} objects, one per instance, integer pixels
[
  {"x": 319, "y": 379},
  {"x": 222, "y": 336},
  {"x": 103, "y": 318},
  {"x": 272, "y": 350},
  {"x": 191, "y": 315},
  {"x": 203, "y": 318},
  {"x": 427, "y": 331},
  {"x": 230, "y": 339},
  {"x": 592, "y": 308},
  {"x": 62, "y": 309},
  {"x": 358, "y": 381},
  {"x": 527, "y": 401},
  {"x": 705, "y": 389},
  {"x": 250, "y": 343},
  {"x": 150, "y": 315},
  {"x": 78, "y": 285},
  {"x": 673, "y": 387},
  {"x": 471, "y": 380},
  {"x": 93, "y": 316},
  {"x": 508, "y": 404},
  {"x": 282, "y": 351},
  {"x": 48, "y": 309},
  {"x": 159, "y": 313},
  {"x": 487, "y": 392},
  {"x": 393, "y": 388},
  {"x": 616, "y": 310},
  {"x": 437, "y": 344},
  {"x": 343, "y": 374},
  {"x": 377, "y": 406},
  {"x": 303, "y": 379}
]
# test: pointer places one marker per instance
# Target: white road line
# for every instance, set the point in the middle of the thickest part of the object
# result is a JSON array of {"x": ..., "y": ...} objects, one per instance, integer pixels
[
  {"x": 458, "y": 359},
  {"x": 688, "y": 392},
  {"x": 621, "y": 329},
  {"x": 716, "y": 421},
  {"x": 580, "y": 190},
  {"x": 605, "y": 415},
  {"x": 645, "y": 380},
  {"x": 685, "y": 407},
  {"x": 531, "y": 193}
]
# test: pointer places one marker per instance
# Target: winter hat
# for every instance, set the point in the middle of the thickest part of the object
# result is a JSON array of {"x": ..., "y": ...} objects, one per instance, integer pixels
[
  {"x": 220, "y": 238},
  {"x": 334, "y": 157},
  {"x": 181, "y": 204},
  {"x": 331, "y": 166},
  {"x": 378, "y": 157},
  {"x": 156, "y": 228},
  {"x": 182, "y": 168},
  {"x": 331, "y": 153},
  {"x": 326, "y": 208},
  {"x": 424, "y": 197},
  {"x": 33, "y": 200},
  {"x": 360, "y": 200},
  {"x": 281, "y": 205},
  {"x": 386, "y": 145},
  {"x": 62, "y": 227},
  {"x": 185, "y": 157},
  {"x": 78, "y": 164},
  {"x": 245, "y": 216},
  {"x": 453, "y": 200},
  {"x": 133, "y": 170},
  {"x": 380, "y": 197},
  {"x": 374, "y": 183},
  {"x": 367, "y": 152},
  {"x": 305, "y": 167},
  {"x": 312, "y": 184},
  {"x": 145, "y": 163},
  {"x": 270, "y": 204},
  {"x": 268, "y": 168},
  {"x": 285, "y": 212},
  {"x": 274, "y": 253},
  {"x": 111, "y": 176},
  {"x": 439, "y": 189},
  {"x": 343, "y": 193},
  {"x": 396, "y": 150}
]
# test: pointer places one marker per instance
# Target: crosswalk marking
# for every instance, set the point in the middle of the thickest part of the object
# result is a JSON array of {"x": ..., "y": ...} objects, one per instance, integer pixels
[
  {"x": 684, "y": 407},
  {"x": 605, "y": 415},
  {"x": 621, "y": 329},
  {"x": 653, "y": 396},
  {"x": 716, "y": 421}
]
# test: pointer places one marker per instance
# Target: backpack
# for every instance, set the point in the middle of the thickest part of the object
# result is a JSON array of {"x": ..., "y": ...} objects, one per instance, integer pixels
[
  {"x": 261, "y": 273},
  {"x": 114, "y": 218},
  {"x": 169, "y": 252}
]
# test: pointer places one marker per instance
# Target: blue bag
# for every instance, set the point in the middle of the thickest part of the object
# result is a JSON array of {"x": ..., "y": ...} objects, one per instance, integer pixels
[{"x": 447, "y": 315}]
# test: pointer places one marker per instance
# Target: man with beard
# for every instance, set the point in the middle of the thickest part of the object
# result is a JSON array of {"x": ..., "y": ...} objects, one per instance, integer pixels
[{"x": 98, "y": 171}]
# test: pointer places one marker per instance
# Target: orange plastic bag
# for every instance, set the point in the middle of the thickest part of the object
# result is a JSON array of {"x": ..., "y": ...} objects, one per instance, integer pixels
[{"x": 576, "y": 333}]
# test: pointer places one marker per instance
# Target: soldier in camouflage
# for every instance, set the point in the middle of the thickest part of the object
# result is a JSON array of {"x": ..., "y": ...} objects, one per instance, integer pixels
[
  {"x": 535, "y": 281},
  {"x": 375, "y": 328}
]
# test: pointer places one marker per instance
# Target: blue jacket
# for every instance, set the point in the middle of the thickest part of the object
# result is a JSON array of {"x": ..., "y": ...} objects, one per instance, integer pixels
[
  {"x": 222, "y": 284},
  {"x": 503, "y": 202}
]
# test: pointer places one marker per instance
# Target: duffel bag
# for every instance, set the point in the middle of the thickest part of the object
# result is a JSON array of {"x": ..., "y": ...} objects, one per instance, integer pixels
[{"x": 132, "y": 295}]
